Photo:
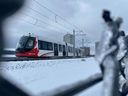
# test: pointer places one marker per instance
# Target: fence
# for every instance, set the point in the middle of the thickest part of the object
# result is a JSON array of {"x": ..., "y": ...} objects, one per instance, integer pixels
[{"x": 106, "y": 57}]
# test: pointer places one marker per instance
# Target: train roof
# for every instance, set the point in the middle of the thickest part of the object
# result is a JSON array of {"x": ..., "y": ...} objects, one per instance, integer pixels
[{"x": 54, "y": 38}]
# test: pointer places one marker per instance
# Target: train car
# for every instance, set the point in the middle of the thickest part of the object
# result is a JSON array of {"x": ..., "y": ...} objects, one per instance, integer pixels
[{"x": 32, "y": 46}]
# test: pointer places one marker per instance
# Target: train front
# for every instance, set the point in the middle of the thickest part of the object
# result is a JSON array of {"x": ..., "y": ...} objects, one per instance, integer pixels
[{"x": 26, "y": 47}]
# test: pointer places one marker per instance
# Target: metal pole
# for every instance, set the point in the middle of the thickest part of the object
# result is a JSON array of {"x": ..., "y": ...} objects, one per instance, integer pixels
[
  {"x": 66, "y": 49},
  {"x": 83, "y": 43},
  {"x": 74, "y": 43}
]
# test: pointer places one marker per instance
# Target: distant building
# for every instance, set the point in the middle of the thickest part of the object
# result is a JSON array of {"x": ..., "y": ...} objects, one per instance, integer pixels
[{"x": 85, "y": 51}]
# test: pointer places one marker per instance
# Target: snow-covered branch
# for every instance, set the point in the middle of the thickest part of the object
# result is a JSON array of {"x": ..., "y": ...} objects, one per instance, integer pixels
[{"x": 108, "y": 54}]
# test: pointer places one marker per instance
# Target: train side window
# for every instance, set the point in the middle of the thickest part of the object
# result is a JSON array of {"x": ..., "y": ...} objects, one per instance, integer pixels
[
  {"x": 79, "y": 50},
  {"x": 50, "y": 46},
  {"x": 39, "y": 44},
  {"x": 44, "y": 45},
  {"x": 69, "y": 49},
  {"x": 63, "y": 47},
  {"x": 55, "y": 47},
  {"x": 75, "y": 50},
  {"x": 72, "y": 49},
  {"x": 60, "y": 48}
]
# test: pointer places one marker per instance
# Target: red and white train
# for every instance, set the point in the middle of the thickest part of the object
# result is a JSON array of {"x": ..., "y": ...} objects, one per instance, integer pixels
[{"x": 31, "y": 46}]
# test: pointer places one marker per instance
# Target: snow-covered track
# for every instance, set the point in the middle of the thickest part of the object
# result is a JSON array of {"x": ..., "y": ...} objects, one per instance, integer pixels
[{"x": 29, "y": 59}]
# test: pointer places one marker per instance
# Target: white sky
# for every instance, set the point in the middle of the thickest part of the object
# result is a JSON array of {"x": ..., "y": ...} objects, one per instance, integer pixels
[{"x": 85, "y": 14}]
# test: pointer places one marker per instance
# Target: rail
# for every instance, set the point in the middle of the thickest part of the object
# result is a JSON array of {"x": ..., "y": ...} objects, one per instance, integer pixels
[{"x": 106, "y": 56}]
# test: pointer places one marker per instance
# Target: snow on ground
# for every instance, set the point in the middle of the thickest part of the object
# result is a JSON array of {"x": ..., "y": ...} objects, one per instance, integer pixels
[
  {"x": 44, "y": 75},
  {"x": 8, "y": 55},
  {"x": 9, "y": 49}
]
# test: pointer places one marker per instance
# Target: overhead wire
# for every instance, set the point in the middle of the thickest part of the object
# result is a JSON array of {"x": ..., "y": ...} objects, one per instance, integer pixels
[
  {"x": 49, "y": 18},
  {"x": 44, "y": 27},
  {"x": 55, "y": 14},
  {"x": 52, "y": 25},
  {"x": 53, "y": 22}
]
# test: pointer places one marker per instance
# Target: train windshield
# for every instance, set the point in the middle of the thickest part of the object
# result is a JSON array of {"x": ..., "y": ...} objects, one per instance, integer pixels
[{"x": 26, "y": 43}]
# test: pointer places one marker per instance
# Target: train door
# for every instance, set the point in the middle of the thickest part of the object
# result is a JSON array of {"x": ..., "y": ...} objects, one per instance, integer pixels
[
  {"x": 64, "y": 50},
  {"x": 55, "y": 49}
]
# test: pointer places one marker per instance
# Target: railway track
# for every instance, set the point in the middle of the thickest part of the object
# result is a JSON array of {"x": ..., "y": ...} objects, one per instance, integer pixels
[
  {"x": 9, "y": 55},
  {"x": 2, "y": 59}
]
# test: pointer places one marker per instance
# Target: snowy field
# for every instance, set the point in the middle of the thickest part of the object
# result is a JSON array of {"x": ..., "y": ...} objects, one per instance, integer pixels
[{"x": 44, "y": 75}]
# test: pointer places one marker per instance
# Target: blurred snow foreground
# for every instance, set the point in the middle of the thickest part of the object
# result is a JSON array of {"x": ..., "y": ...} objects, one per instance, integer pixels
[{"x": 44, "y": 75}]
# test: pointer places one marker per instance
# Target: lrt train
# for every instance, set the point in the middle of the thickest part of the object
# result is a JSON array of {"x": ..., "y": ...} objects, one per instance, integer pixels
[{"x": 31, "y": 46}]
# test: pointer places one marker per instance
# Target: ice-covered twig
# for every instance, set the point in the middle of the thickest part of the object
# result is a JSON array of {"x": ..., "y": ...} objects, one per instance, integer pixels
[{"x": 124, "y": 90}]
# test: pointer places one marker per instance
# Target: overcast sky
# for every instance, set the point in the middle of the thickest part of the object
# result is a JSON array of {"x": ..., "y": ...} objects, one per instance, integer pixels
[{"x": 85, "y": 14}]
